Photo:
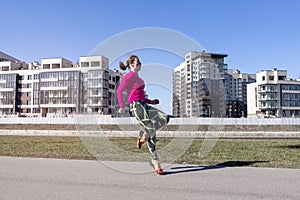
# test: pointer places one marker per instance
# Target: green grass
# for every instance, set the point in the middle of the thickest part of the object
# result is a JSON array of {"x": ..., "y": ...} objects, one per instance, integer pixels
[
  {"x": 43, "y": 147},
  {"x": 255, "y": 153}
]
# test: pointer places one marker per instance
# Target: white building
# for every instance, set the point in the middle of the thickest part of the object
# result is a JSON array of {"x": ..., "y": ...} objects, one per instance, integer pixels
[
  {"x": 273, "y": 95},
  {"x": 9, "y": 63},
  {"x": 56, "y": 86},
  {"x": 94, "y": 84}
]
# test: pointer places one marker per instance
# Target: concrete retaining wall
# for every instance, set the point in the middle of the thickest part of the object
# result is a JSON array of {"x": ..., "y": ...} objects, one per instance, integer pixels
[
  {"x": 185, "y": 127},
  {"x": 98, "y": 119},
  {"x": 167, "y": 134}
]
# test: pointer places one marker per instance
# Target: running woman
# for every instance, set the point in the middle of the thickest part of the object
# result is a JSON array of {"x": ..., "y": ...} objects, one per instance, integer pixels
[{"x": 150, "y": 118}]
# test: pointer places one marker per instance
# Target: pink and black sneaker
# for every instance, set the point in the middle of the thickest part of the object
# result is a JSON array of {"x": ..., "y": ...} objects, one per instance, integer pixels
[{"x": 156, "y": 165}]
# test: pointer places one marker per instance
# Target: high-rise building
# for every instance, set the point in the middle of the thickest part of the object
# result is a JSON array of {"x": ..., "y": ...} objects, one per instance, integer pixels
[
  {"x": 198, "y": 86},
  {"x": 57, "y": 86},
  {"x": 236, "y": 92},
  {"x": 273, "y": 95}
]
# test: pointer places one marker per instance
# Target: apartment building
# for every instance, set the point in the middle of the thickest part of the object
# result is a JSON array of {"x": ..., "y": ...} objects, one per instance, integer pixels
[
  {"x": 236, "y": 92},
  {"x": 8, "y": 82},
  {"x": 273, "y": 95},
  {"x": 9, "y": 63},
  {"x": 57, "y": 86},
  {"x": 198, "y": 86},
  {"x": 113, "y": 83}
]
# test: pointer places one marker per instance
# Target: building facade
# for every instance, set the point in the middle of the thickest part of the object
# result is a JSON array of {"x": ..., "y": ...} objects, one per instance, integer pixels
[
  {"x": 198, "y": 86},
  {"x": 9, "y": 86},
  {"x": 273, "y": 95},
  {"x": 57, "y": 86},
  {"x": 236, "y": 92}
]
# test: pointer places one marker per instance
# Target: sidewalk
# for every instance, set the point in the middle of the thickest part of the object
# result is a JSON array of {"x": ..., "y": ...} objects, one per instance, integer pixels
[{"x": 45, "y": 179}]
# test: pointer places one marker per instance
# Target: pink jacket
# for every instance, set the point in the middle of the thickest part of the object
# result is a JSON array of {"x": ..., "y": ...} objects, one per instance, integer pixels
[{"x": 134, "y": 86}]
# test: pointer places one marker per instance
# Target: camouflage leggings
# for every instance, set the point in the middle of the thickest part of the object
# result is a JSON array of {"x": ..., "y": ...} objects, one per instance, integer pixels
[{"x": 151, "y": 120}]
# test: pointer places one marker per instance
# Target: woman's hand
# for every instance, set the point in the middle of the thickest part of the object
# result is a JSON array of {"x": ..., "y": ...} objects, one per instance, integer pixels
[{"x": 155, "y": 101}]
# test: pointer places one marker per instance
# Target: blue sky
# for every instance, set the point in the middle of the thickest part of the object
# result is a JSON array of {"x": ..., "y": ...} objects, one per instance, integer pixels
[{"x": 256, "y": 34}]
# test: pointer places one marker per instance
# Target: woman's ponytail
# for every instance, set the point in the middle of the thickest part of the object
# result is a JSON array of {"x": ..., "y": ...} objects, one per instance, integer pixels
[{"x": 122, "y": 65}]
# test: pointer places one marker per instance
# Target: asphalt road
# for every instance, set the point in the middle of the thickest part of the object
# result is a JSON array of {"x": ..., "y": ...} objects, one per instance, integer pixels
[{"x": 49, "y": 179}]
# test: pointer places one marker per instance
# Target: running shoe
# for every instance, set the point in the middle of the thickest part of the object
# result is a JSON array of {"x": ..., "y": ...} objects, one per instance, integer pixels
[
  {"x": 141, "y": 140},
  {"x": 156, "y": 165}
]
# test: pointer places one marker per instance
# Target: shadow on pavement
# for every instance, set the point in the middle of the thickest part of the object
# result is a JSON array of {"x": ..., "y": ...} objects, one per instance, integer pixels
[{"x": 186, "y": 169}]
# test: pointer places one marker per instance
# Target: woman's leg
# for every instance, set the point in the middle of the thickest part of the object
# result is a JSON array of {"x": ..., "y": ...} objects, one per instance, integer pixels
[
  {"x": 140, "y": 111},
  {"x": 159, "y": 118}
]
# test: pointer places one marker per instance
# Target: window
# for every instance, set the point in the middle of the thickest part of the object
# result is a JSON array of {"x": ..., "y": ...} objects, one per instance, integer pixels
[
  {"x": 95, "y": 63},
  {"x": 55, "y": 66},
  {"x": 5, "y": 68},
  {"x": 46, "y": 66},
  {"x": 84, "y": 64},
  {"x": 263, "y": 78},
  {"x": 271, "y": 78}
]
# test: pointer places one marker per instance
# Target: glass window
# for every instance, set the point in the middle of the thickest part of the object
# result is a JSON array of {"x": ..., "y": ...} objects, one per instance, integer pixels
[
  {"x": 55, "y": 66},
  {"x": 95, "y": 64},
  {"x": 5, "y": 68},
  {"x": 46, "y": 66},
  {"x": 84, "y": 64}
]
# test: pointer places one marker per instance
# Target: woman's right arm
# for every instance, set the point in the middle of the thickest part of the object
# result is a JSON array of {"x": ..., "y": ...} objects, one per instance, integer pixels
[
  {"x": 120, "y": 90},
  {"x": 120, "y": 94}
]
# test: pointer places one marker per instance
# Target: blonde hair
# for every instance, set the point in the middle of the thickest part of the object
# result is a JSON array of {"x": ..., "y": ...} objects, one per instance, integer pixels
[{"x": 129, "y": 61}]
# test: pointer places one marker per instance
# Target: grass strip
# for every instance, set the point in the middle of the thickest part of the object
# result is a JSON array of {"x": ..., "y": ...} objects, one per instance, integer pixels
[{"x": 235, "y": 152}]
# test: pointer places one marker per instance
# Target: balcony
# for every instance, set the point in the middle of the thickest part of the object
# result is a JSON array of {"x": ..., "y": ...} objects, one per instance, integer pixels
[
  {"x": 54, "y": 88},
  {"x": 267, "y": 91},
  {"x": 268, "y": 106},
  {"x": 6, "y": 89},
  {"x": 49, "y": 79},
  {"x": 268, "y": 99}
]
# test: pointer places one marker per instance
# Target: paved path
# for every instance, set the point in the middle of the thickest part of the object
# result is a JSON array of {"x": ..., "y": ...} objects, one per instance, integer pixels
[{"x": 51, "y": 179}]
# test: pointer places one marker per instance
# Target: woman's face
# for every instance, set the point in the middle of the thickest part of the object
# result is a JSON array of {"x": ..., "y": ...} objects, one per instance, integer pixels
[{"x": 136, "y": 65}]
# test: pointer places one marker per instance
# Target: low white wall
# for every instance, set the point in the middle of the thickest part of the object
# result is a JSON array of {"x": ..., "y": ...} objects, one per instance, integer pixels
[
  {"x": 97, "y": 119},
  {"x": 172, "y": 134},
  {"x": 216, "y": 130}
]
